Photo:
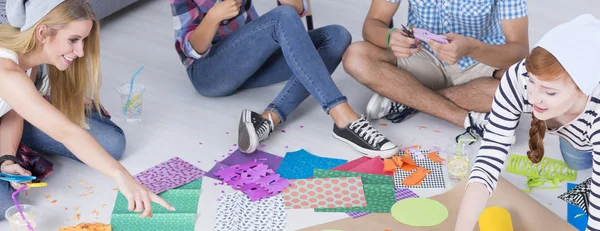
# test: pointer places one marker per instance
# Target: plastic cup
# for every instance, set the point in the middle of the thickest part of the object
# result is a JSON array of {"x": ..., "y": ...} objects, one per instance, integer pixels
[
  {"x": 131, "y": 109},
  {"x": 15, "y": 220}
]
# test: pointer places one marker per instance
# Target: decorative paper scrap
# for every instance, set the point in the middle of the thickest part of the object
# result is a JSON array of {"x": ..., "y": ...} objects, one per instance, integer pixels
[
  {"x": 236, "y": 212},
  {"x": 575, "y": 215},
  {"x": 325, "y": 193},
  {"x": 184, "y": 199},
  {"x": 168, "y": 175},
  {"x": 87, "y": 227},
  {"x": 366, "y": 178},
  {"x": 416, "y": 178},
  {"x": 579, "y": 195},
  {"x": 365, "y": 165},
  {"x": 380, "y": 199},
  {"x": 237, "y": 157},
  {"x": 300, "y": 164},
  {"x": 255, "y": 179},
  {"x": 433, "y": 180},
  {"x": 401, "y": 194}
]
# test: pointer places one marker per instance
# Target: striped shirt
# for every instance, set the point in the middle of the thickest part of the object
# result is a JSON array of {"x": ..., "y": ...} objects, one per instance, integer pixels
[
  {"x": 188, "y": 14},
  {"x": 475, "y": 19},
  {"x": 510, "y": 102}
]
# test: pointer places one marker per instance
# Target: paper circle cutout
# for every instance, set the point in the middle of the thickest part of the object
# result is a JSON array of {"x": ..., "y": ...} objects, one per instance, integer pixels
[{"x": 419, "y": 212}]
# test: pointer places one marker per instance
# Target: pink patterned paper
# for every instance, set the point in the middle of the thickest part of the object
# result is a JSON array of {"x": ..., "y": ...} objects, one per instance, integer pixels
[{"x": 169, "y": 175}]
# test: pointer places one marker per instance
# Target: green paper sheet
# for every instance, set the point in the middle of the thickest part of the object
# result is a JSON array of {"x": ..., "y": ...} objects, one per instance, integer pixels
[
  {"x": 380, "y": 199},
  {"x": 419, "y": 212},
  {"x": 184, "y": 199},
  {"x": 366, "y": 178}
]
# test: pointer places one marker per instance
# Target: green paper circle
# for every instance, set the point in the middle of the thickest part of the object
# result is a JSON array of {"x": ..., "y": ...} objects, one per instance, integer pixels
[{"x": 419, "y": 212}]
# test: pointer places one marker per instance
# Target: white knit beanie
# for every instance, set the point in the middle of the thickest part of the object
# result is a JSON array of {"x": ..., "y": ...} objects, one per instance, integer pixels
[
  {"x": 576, "y": 45},
  {"x": 23, "y": 14}
]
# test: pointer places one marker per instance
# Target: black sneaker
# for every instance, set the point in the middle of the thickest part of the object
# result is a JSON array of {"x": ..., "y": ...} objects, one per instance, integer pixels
[
  {"x": 252, "y": 130},
  {"x": 363, "y": 137},
  {"x": 380, "y": 107}
]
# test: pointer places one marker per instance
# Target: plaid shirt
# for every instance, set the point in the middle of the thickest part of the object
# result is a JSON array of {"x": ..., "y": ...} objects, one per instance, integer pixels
[
  {"x": 187, "y": 15},
  {"x": 475, "y": 19}
]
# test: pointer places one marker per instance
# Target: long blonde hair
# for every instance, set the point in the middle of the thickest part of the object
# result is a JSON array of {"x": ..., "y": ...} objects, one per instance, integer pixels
[{"x": 69, "y": 88}]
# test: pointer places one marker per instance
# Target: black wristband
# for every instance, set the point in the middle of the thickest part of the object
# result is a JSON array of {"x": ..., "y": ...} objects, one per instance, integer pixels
[{"x": 8, "y": 157}]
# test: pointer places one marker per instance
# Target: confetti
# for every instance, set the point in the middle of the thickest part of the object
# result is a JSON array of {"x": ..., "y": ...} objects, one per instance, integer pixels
[
  {"x": 47, "y": 196},
  {"x": 200, "y": 142},
  {"x": 87, "y": 194},
  {"x": 104, "y": 205},
  {"x": 70, "y": 187},
  {"x": 235, "y": 145},
  {"x": 421, "y": 127},
  {"x": 81, "y": 182},
  {"x": 301, "y": 126},
  {"x": 227, "y": 133},
  {"x": 76, "y": 217},
  {"x": 384, "y": 125},
  {"x": 199, "y": 162},
  {"x": 115, "y": 189},
  {"x": 263, "y": 145},
  {"x": 66, "y": 208},
  {"x": 89, "y": 188},
  {"x": 438, "y": 131},
  {"x": 26, "y": 193},
  {"x": 286, "y": 146},
  {"x": 95, "y": 212},
  {"x": 77, "y": 208},
  {"x": 283, "y": 131},
  {"x": 53, "y": 202}
]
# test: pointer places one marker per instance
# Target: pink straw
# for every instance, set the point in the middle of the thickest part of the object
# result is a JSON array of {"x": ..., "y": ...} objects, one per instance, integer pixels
[{"x": 14, "y": 197}]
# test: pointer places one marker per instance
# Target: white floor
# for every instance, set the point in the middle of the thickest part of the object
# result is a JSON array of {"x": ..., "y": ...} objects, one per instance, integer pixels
[{"x": 177, "y": 119}]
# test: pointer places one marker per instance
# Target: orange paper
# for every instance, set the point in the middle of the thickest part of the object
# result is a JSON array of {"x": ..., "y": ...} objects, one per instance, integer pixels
[
  {"x": 433, "y": 156},
  {"x": 416, "y": 177},
  {"x": 389, "y": 166},
  {"x": 408, "y": 164},
  {"x": 87, "y": 227},
  {"x": 397, "y": 161}
]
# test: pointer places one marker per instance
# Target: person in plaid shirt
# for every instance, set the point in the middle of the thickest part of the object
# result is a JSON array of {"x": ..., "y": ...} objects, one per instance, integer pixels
[
  {"x": 226, "y": 47},
  {"x": 454, "y": 81}
]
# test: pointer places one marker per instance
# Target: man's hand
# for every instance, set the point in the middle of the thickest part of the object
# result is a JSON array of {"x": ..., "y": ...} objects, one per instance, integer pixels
[
  {"x": 402, "y": 45},
  {"x": 458, "y": 46}
]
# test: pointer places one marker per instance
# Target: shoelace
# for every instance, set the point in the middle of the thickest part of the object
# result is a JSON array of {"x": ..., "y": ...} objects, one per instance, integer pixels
[
  {"x": 396, "y": 108},
  {"x": 265, "y": 128},
  {"x": 365, "y": 130},
  {"x": 475, "y": 130}
]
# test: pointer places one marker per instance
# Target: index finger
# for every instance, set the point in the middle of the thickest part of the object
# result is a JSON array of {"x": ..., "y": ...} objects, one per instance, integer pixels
[{"x": 161, "y": 202}]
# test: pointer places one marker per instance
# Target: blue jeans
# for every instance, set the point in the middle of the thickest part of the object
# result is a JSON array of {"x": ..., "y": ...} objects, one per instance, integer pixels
[
  {"x": 272, "y": 49},
  {"x": 575, "y": 159},
  {"x": 108, "y": 134}
]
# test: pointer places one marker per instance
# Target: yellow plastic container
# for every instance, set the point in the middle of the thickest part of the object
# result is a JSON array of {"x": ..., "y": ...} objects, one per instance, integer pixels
[{"x": 495, "y": 219}]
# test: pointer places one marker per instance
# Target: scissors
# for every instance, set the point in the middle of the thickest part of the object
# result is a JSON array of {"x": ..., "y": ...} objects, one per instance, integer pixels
[
  {"x": 424, "y": 35},
  {"x": 15, "y": 178}
]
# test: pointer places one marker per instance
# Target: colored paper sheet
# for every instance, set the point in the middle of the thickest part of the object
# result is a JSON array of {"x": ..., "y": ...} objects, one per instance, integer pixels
[
  {"x": 380, "y": 199},
  {"x": 344, "y": 192},
  {"x": 237, "y": 157},
  {"x": 300, "y": 164},
  {"x": 366, "y": 178},
  {"x": 184, "y": 199},
  {"x": 236, "y": 212},
  {"x": 168, "y": 175},
  {"x": 401, "y": 194}
]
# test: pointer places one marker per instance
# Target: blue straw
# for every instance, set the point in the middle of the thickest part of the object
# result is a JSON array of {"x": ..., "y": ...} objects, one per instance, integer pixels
[{"x": 131, "y": 89}]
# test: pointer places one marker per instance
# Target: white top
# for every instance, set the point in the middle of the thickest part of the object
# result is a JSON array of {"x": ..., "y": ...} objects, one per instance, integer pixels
[{"x": 6, "y": 53}]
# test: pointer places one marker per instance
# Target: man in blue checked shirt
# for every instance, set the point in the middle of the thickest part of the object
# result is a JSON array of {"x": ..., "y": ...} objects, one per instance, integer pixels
[{"x": 454, "y": 81}]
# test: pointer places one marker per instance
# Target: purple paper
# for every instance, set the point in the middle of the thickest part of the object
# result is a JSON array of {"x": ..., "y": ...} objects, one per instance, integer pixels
[
  {"x": 255, "y": 179},
  {"x": 169, "y": 175},
  {"x": 401, "y": 194},
  {"x": 237, "y": 157}
]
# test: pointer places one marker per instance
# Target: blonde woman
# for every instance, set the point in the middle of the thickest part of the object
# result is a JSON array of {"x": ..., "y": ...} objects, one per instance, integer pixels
[{"x": 64, "y": 35}]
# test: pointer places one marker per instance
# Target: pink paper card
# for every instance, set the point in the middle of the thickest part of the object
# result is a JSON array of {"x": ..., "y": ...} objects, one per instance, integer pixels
[
  {"x": 169, "y": 175},
  {"x": 352, "y": 164},
  {"x": 344, "y": 192},
  {"x": 372, "y": 166}
]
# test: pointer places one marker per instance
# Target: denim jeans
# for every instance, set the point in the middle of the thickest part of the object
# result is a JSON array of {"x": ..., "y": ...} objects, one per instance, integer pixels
[
  {"x": 108, "y": 134},
  {"x": 575, "y": 159},
  {"x": 272, "y": 49}
]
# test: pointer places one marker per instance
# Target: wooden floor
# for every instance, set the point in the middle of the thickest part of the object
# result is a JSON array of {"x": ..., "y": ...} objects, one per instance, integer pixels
[{"x": 179, "y": 122}]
